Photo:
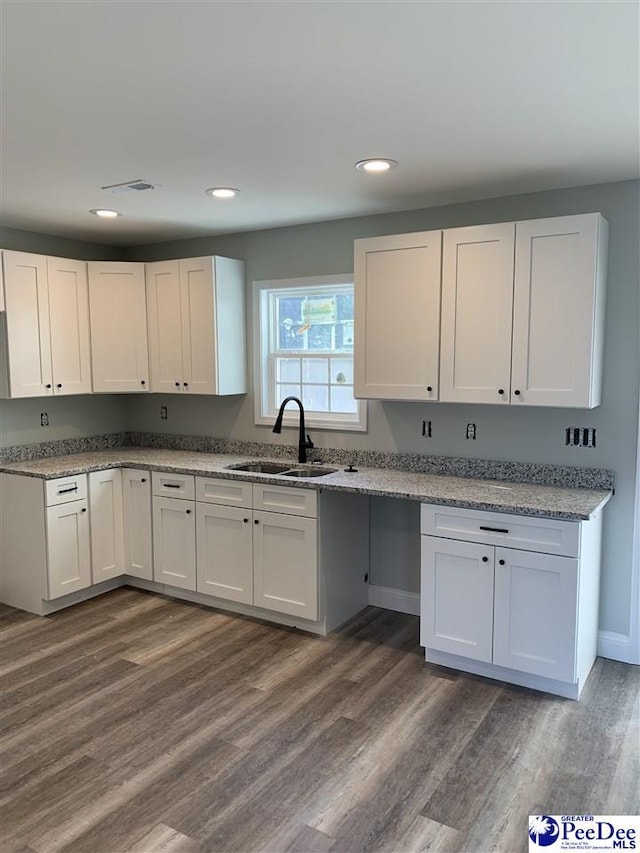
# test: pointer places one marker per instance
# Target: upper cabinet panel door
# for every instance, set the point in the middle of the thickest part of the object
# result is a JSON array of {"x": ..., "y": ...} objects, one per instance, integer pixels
[
  {"x": 477, "y": 300},
  {"x": 69, "y": 322},
  {"x": 118, "y": 327},
  {"x": 165, "y": 327},
  {"x": 28, "y": 342},
  {"x": 397, "y": 316},
  {"x": 558, "y": 311},
  {"x": 198, "y": 326}
]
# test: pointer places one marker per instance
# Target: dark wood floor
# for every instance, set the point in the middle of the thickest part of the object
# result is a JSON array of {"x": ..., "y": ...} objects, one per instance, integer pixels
[{"x": 137, "y": 723}]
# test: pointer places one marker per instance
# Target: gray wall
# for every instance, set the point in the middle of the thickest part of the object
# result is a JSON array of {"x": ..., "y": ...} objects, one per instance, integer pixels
[
  {"x": 535, "y": 435},
  {"x": 514, "y": 434}
]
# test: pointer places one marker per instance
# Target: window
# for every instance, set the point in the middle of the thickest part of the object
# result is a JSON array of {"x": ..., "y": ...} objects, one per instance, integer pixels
[{"x": 304, "y": 348}]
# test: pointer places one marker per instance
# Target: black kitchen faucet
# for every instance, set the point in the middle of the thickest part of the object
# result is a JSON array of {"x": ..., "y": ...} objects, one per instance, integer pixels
[{"x": 304, "y": 441}]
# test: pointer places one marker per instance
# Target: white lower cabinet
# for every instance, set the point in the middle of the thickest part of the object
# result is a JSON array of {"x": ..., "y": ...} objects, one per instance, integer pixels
[
  {"x": 517, "y": 615},
  {"x": 107, "y": 534},
  {"x": 224, "y": 558},
  {"x": 68, "y": 552},
  {"x": 136, "y": 504},
  {"x": 285, "y": 564},
  {"x": 174, "y": 542},
  {"x": 252, "y": 556},
  {"x": 450, "y": 621},
  {"x": 536, "y": 598}
]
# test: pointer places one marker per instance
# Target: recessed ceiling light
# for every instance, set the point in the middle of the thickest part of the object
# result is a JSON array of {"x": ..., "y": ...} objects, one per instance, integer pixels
[
  {"x": 377, "y": 164},
  {"x": 105, "y": 214},
  {"x": 222, "y": 192}
]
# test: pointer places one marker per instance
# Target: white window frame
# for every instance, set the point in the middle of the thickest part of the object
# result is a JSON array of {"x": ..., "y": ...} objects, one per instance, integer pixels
[{"x": 262, "y": 361}]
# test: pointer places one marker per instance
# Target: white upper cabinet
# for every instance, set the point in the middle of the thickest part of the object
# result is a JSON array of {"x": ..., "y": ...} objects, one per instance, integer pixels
[
  {"x": 118, "y": 309},
  {"x": 558, "y": 311},
  {"x": 477, "y": 300},
  {"x": 523, "y": 312},
  {"x": 197, "y": 326},
  {"x": 397, "y": 316},
  {"x": 47, "y": 348}
]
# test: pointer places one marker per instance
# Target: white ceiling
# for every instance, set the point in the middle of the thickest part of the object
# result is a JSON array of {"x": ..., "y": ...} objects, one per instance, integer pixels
[{"x": 280, "y": 99}]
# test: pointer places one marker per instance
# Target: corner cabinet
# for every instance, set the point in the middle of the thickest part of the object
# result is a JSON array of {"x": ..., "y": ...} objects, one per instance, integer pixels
[
  {"x": 196, "y": 326},
  {"x": 118, "y": 307},
  {"x": 45, "y": 349},
  {"x": 523, "y": 312},
  {"x": 397, "y": 316},
  {"x": 510, "y": 597}
]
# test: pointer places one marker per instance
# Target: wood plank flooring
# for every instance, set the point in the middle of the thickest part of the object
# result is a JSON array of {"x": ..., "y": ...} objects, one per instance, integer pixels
[{"x": 137, "y": 723}]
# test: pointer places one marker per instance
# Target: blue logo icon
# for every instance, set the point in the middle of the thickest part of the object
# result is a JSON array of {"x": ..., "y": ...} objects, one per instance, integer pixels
[{"x": 543, "y": 830}]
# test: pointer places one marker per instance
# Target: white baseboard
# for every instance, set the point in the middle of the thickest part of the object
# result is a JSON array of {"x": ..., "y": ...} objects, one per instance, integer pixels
[
  {"x": 618, "y": 647},
  {"x": 395, "y": 599}
]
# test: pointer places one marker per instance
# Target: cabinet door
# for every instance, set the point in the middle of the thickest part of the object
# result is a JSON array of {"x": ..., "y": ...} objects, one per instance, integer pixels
[
  {"x": 174, "y": 542},
  {"x": 397, "y": 316},
  {"x": 165, "y": 327},
  {"x": 106, "y": 522},
  {"x": 477, "y": 300},
  {"x": 136, "y": 488},
  {"x": 118, "y": 327},
  {"x": 224, "y": 557},
  {"x": 198, "y": 326},
  {"x": 535, "y": 613},
  {"x": 69, "y": 323},
  {"x": 558, "y": 311},
  {"x": 456, "y": 597},
  {"x": 285, "y": 564},
  {"x": 28, "y": 336},
  {"x": 68, "y": 553}
]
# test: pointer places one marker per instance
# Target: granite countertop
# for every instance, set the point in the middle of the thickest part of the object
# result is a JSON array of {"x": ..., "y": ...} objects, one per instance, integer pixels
[{"x": 575, "y": 504}]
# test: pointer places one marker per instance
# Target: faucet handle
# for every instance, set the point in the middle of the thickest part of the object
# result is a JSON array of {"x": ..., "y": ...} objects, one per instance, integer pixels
[{"x": 310, "y": 444}]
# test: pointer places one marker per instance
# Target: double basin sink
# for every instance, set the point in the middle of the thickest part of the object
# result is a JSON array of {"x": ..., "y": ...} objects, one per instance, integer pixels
[{"x": 283, "y": 469}]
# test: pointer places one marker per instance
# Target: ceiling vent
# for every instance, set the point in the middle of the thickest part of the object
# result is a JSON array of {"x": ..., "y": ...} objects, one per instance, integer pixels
[{"x": 139, "y": 185}]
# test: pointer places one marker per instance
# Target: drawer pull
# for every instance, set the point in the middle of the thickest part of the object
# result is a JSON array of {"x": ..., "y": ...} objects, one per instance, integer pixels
[
  {"x": 70, "y": 489},
  {"x": 494, "y": 529},
  {"x": 171, "y": 485}
]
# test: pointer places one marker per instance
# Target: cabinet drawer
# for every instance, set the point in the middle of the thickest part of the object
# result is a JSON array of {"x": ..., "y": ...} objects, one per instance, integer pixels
[
  {"x": 173, "y": 485},
  {"x": 65, "y": 489},
  {"x": 286, "y": 499},
  {"x": 547, "y": 535},
  {"x": 225, "y": 492}
]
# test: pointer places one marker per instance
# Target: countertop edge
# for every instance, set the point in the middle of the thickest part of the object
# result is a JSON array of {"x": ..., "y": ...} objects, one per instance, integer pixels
[{"x": 516, "y": 508}]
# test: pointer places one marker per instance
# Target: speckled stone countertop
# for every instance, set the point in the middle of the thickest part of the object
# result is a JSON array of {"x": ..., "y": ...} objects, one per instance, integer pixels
[{"x": 575, "y": 504}]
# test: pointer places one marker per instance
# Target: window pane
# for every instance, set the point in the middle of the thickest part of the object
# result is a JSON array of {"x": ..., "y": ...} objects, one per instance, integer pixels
[
  {"x": 319, "y": 336},
  {"x": 288, "y": 369},
  {"x": 283, "y": 391},
  {"x": 315, "y": 398},
  {"x": 289, "y": 322},
  {"x": 315, "y": 370},
  {"x": 342, "y": 399},
  {"x": 342, "y": 371}
]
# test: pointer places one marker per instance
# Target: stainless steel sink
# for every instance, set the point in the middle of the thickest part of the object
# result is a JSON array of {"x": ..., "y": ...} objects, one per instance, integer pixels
[
  {"x": 284, "y": 469},
  {"x": 261, "y": 467},
  {"x": 311, "y": 471}
]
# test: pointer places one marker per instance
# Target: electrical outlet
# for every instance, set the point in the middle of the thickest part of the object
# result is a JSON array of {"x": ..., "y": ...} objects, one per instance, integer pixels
[
  {"x": 580, "y": 437},
  {"x": 44, "y": 419},
  {"x": 471, "y": 431},
  {"x": 426, "y": 429},
  {"x": 163, "y": 413}
]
